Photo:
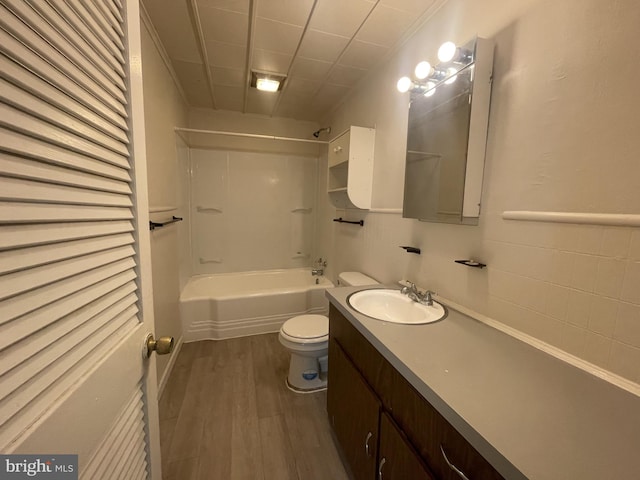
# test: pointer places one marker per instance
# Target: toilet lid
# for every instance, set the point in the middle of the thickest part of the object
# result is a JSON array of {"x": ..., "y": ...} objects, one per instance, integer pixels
[{"x": 307, "y": 326}]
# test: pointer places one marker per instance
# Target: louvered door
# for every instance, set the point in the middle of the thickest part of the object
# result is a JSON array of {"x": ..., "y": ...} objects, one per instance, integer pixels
[{"x": 74, "y": 260}]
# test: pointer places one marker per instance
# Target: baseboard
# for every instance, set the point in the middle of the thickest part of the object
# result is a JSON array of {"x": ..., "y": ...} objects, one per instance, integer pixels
[{"x": 169, "y": 368}]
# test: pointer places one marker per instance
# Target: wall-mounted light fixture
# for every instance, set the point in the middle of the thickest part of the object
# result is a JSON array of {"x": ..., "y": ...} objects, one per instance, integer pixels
[
  {"x": 267, "y": 82},
  {"x": 452, "y": 59}
]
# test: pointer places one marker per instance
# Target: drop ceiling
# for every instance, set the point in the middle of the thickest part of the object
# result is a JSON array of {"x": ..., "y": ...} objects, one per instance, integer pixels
[{"x": 324, "y": 47}]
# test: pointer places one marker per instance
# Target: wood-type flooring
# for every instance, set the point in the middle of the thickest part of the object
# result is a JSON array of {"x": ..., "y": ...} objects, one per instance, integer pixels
[{"x": 226, "y": 414}]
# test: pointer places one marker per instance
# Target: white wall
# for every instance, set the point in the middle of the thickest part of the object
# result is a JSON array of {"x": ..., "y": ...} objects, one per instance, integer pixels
[
  {"x": 164, "y": 109},
  {"x": 562, "y": 137},
  {"x": 251, "y": 210}
]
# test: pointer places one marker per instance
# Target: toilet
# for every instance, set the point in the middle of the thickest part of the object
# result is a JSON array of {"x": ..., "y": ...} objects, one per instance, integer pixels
[{"x": 306, "y": 337}]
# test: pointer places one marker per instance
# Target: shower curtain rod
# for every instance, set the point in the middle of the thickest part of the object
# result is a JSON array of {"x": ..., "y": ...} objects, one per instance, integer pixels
[{"x": 250, "y": 135}]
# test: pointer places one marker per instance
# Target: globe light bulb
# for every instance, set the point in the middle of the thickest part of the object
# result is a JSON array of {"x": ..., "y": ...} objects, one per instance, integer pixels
[
  {"x": 431, "y": 89},
  {"x": 423, "y": 69},
  {"x": 447, "y": 51},
  {"x": 451, "y": 73},
  {"x": 404, "y": 84}
]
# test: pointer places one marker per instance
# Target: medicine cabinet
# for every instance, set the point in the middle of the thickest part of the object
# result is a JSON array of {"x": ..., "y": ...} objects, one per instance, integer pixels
[{"x": 446, "y": 138}]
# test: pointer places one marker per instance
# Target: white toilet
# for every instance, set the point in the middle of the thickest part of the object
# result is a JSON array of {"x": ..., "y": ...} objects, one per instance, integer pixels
[{"x": 307, "y": 339}]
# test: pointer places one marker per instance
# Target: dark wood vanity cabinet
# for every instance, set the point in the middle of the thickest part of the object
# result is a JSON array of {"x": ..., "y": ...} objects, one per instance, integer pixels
[
  {"x": 354, "y": 412},
  {"x": 411, "y": 432}
]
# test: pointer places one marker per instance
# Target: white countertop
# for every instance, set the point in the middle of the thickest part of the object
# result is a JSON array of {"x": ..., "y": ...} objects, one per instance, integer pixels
[{"x": 531, "y": 415}]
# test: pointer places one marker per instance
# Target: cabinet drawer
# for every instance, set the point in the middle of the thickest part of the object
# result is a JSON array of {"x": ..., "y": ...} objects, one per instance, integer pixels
[{"x": 339, "y": 149}]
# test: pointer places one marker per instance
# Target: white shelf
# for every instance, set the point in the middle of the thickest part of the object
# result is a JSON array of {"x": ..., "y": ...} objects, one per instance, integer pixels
[{"x": 350, "y": 170}]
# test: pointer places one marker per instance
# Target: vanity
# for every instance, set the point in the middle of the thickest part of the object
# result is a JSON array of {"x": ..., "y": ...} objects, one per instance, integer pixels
[{"x": 459, "y": 399}]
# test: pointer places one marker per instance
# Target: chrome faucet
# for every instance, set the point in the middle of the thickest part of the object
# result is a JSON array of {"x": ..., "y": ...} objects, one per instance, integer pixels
[
  {"x": 414, "y": 294},
  {"x": 319, "y": 267}
]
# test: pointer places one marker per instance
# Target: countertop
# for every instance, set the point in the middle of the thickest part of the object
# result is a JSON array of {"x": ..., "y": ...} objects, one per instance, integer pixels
[{"x": 530, "y": 414}]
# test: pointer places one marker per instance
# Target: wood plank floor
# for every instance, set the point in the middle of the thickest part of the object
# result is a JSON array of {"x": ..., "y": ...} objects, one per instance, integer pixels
[{"x": 227, "y": 414}]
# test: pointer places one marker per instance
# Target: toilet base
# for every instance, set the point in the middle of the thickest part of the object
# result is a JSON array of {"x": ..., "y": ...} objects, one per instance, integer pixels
[
  {"x": 306, "y": 390},
  {"x": 305, "y": 373}
]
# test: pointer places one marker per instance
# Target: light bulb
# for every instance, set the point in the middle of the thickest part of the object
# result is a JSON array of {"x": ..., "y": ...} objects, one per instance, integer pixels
[
  {"x": 431, "y": 89},
  {"x": 447, "y": 51},
  {"x": 404, "y": 84},
  {"x": 267, "y": 85},
  {"x": 423, "y": 69},
  {"x": 451, "y": 73}
]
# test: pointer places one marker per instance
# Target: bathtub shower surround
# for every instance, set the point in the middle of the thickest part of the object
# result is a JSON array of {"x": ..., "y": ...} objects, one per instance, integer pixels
[
  {"x": 251, "y": 210},
  {"x": 249, "y": 303}
]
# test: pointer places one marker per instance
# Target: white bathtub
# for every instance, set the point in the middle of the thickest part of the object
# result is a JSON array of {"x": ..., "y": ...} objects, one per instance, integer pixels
[{"x": 239, "y": 304}]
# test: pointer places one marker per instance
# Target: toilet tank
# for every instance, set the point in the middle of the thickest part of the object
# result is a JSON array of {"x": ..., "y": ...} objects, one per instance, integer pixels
[{"x": 354, "y": 279}]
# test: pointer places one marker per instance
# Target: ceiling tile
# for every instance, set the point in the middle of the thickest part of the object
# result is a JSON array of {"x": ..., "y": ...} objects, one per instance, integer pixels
[
  {"x": 308, "y": 68},
  {"x": 345, "y": 75},
  {"x": 267, "y": 61},
  {"x": 229, "y": 98},
  {"x": 322, "y": 46},
  {"x": 261, "y": 103},
  {"x": 296, "y": 110},
  {"x": 329, "y": 95},
  {"x": 194, "y": 81},
  {"x": 224, "y": 26},
  {"x": 363, "y": 55},
  {"x": 328, "y": 98},
  {"x": 295, "y": 12},
  {"x": 173, "y": 24},
  {"x": 240, "y": 6},
  {"x": 340, "y": 17},
  {"x": 417, "y": 7},
  {"x": 301, "y": 87},
  {"x": 276, "y": 36},
  {"x": 226, "y": 54},
  {"x": 385, "y": 26},
  {"x": 229, "y": 77}
]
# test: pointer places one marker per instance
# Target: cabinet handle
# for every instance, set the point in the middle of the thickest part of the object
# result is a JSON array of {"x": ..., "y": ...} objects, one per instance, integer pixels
[
  {"x": 337, "y": 150},
  {"x": 452, "y": 466},
  {"x": 382, "y": 462},
  {"x": 366, "y": 444}
]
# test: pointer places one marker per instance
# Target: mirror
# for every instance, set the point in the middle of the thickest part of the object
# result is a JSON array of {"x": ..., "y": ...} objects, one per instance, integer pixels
[{"x": 446, "y": 138}]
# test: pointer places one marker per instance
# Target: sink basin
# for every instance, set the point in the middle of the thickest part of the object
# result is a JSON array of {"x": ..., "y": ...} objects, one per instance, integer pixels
[{"x": 392, "y": 306}]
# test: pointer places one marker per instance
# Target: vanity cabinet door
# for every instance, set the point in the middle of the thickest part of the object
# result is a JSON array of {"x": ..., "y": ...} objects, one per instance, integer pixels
[
  {"x": 434, "y": 437},
  {"x": 398, "y": 460},
  {"x": 354, "y": 412}
]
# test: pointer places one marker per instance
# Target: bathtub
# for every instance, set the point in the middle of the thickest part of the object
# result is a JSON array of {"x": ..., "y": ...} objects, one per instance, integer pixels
[{"x": 238, "y": 304}]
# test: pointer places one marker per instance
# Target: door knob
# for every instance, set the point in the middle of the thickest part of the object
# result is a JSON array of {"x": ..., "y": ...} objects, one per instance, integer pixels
[{"x": 161, "y": 346}]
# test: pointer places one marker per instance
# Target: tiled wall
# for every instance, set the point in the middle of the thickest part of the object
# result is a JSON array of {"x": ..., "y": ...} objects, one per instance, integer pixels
[
  {"x": 251, "y": 211},
  {"x": 576, "y": 287},
  {"x": 561, "y": 139}
]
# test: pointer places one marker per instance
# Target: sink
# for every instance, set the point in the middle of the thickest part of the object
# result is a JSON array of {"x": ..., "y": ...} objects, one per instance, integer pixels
[{"x": 392, "y": 306}]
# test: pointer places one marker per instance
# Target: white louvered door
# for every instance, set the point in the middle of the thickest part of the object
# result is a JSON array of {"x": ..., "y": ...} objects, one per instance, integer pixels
[{"x": 75, "y": 297}]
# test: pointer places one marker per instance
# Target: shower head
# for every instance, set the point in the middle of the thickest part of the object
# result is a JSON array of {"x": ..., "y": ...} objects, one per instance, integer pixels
[{"x": 318, "y": 132}]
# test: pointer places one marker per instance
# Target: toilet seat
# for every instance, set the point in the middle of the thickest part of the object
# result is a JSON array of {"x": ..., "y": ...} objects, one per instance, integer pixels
[{"x": 306, "y": 329}]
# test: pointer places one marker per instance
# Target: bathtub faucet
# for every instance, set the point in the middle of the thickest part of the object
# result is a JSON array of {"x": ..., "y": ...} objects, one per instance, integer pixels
[{"x": 319, "y": 267}]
